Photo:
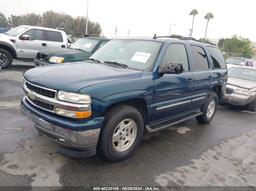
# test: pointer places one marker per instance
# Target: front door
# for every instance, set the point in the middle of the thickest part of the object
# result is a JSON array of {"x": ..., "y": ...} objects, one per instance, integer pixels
[
  {"x": 173, "y": 91},
  {"x": 29, "y": 48}
]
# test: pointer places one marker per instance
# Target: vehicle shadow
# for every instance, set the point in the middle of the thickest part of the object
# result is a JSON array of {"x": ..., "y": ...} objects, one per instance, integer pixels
[
  {"x": 234, "y": 107},
  {"x": 20, "y": 68}
]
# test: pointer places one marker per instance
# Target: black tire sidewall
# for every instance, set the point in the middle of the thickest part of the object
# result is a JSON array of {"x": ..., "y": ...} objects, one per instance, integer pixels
[
  {"x": 115, "y": 117},
  {"x": 252, "y": 106},
  {"x": 9, "y": 56},
  {"x": 203, "y": 118}
]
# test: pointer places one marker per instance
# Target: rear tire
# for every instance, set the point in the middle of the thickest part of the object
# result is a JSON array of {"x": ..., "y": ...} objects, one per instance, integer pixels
[
  {"x": 208, "y": 109},
  {"x": 252, "y": 106},
  {"x": 121, "y": 134},
  {"x": 5, "y": 58}
]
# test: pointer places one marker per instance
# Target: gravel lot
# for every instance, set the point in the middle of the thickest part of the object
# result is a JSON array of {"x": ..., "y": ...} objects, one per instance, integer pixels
[{"x": 222, "y": 153}]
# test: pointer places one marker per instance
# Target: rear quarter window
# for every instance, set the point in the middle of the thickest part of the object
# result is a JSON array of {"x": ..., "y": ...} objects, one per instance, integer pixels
[
  {"x": 217, "y": 58},
  {"x": 53, "y": 36}
]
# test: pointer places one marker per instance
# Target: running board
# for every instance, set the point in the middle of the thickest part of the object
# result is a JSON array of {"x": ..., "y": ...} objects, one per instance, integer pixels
[{"x": 173, "y": 121}]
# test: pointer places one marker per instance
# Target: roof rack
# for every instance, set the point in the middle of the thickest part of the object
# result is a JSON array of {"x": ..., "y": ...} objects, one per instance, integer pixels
[
  {"x": 175, "y": 36},
  {"x": 182, "y": 38}
]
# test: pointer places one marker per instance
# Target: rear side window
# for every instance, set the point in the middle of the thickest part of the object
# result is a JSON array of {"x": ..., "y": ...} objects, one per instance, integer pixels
[
  {"x": 217, "y": 58},
  {"x": 176, "y": 53},
  {"x": 53, "y": 36},
  {"x": 199, "y": 58}
]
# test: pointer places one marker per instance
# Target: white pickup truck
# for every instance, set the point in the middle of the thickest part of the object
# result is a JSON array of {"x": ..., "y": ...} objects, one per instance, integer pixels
[{"x": 25, "y": 41}]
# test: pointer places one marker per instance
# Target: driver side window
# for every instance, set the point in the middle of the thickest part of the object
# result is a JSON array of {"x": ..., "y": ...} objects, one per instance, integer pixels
[
  {"x": 176, "y": 53},
  {"x": 35, "y": 34}
]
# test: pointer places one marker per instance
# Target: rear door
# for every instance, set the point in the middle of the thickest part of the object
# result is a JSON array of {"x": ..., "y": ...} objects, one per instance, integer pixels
[
  {"x": 173, "y": 91},
  {"x": 54, "y": 39},
  {"x": 202, "y": 74}
]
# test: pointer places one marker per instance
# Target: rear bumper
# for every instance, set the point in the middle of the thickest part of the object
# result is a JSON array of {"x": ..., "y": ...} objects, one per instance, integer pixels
[
  {"x": 236, "y": 99},
  {"x": 84, "y": 139}
]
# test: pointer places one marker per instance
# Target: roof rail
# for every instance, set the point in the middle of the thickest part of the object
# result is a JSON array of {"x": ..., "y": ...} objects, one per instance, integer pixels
[
  {"x": 183, "y": 38},
  {"x": 176, "y": 36},
  {"x": 189, "y": 38}
]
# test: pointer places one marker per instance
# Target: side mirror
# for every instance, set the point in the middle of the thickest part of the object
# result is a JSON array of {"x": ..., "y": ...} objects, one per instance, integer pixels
[
  {"x": 24, "y": 37},
  {"x": 171, "y": 68}
]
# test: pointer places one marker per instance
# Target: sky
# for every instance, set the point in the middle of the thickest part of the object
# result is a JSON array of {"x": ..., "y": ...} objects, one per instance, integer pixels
[{"x": 149, "y": 17}]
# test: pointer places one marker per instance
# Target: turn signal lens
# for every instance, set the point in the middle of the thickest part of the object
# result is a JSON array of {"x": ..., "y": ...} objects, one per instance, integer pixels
[
  {"x": 83, "y": 114},
  {"x": 73, "y": 114}
]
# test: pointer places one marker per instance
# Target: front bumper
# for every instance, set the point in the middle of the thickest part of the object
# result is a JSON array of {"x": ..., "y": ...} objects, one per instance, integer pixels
[
  {"x": 84, "y": 139},
  {"x": 40, "y": 63},
  {"x": 237, "y": 99}
]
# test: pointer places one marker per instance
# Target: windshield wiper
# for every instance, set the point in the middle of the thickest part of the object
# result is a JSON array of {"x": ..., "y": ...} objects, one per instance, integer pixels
[
  {"x": 94, "y": 60},
  {"x": 116, "y": 64}
]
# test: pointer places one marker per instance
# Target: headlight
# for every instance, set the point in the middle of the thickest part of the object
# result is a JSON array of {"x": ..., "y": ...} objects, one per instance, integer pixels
[
  {"x": 81, "y": 112},
  {"x": 253, "y": 92},
  {"x": 74, "y": 97},
  {"x": 242, "y": 92},
  {"x": 56, "y": 59}
]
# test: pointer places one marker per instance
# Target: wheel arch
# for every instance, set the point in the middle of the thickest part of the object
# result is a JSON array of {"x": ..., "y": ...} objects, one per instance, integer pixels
[
  {"x": 218, "y": 90},
  {"x": 139, "y": 103},
  {"x": 9, "y": 48}
]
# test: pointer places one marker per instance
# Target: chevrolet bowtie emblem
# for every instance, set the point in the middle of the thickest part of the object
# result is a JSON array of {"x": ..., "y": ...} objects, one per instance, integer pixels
[{"x": 31, "y": 95}]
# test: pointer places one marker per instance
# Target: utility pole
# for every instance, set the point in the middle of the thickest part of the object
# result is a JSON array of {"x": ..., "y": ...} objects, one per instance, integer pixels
[
  {"x": 87, "y": 17},
  {"x": 128, "y": 32},
  {"x": 115, "y": 31},
  {"x": 170, "y": 28}
]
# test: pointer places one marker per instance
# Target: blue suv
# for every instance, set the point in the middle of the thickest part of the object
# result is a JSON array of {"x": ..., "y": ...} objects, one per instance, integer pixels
[{"x": 127, "y": 88}]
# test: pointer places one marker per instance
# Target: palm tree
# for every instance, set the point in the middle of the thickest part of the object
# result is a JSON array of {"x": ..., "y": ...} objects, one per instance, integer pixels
[
  {"x": 208, "y": 17},
  {"x": 194, "y": 12}
]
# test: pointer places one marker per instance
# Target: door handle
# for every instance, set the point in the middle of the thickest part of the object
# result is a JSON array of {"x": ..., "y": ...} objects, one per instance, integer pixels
[
  {"x": 190, "y": 79},
  {"x": 210, "y": 77},
  {"x": 44, "y": 44},
  {"x": 63, "y": 46}
]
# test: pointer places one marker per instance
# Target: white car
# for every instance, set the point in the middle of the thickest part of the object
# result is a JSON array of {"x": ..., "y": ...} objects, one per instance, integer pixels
[
  {"x": 241, "y": 87},
  {"x": 235, "y": 61},
  {"x": 25, "y": 41}
]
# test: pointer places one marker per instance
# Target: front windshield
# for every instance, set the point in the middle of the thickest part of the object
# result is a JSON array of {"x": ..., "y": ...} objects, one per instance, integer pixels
[
  {"x": 136, "y": 54},
  {"x": 85, "y": 44},
  {"x": 16, "y": 31},
  {"x": 242, "y": 73}
]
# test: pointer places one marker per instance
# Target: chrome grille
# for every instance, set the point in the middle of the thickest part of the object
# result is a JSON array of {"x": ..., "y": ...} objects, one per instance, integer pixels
[
  {"x": 41, "y": 90},
  {"x": 32, "y": 89},
  {"x": 43, "y": 105}
]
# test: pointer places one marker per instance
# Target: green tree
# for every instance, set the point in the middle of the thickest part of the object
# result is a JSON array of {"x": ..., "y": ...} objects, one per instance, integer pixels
[
  {"x": 236, "y": 47},
  {"x": 3, "y": 20},
  {"x": 28, "y": 19},
  {"x": 208, "y": 17},
  {"x": 194, "y": 12},
  {"x": 74, "y": 26}
]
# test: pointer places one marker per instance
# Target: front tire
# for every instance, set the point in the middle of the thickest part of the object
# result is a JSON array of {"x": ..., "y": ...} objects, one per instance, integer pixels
[
  {"x": 122, "y": 133},
  {"x": 208, "y": 109},
  {"x": 5, "y": 58},
  {"x": 252, "y": 106}
]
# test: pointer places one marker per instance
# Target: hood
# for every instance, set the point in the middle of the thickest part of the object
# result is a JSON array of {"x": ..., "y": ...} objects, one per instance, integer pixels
[
  {"x": 6, "y": 38},
  {"x": 73, "y": 77},
  {"x": 69, "y": 55},
  {"x": 247, "y": 84}
]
